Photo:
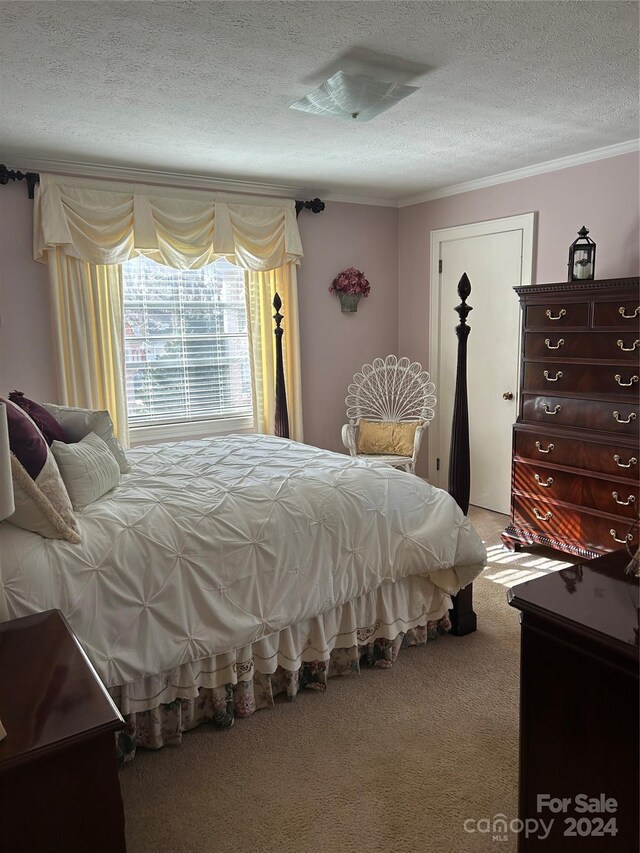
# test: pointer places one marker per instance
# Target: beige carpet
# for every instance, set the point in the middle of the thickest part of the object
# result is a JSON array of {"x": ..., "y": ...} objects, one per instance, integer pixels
[{"x": 391, "y": 761}]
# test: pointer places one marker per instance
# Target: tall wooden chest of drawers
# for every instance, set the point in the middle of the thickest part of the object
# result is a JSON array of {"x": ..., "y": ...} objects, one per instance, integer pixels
[{"x": 575, "y": 443}]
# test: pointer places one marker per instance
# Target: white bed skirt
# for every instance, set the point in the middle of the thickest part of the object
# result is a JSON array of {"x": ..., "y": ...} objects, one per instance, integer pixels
[{"x": 385, "y": 612}]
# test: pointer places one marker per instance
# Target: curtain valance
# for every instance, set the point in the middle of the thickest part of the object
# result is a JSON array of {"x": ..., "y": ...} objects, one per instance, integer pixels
[{"x": 105, "y": 222}]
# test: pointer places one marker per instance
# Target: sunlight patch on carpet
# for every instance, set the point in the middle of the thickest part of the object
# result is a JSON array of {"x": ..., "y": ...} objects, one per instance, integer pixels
[{"x": 509, "y": 568}]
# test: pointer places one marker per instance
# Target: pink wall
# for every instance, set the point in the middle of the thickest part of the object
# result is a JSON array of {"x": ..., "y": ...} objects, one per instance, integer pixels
[
  {"x": 25, "y": 333},
  {"x": 602, "y": 195},
  {"x": 391, "y": 246},
  {"x": 334, "y": 345}
]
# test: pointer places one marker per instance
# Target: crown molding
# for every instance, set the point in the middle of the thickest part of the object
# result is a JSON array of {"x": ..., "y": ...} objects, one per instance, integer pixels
[
  {"x": 179, "y": 179},
  {"x": 210, "y": 182},
  {"x": 526, "y": 172}
]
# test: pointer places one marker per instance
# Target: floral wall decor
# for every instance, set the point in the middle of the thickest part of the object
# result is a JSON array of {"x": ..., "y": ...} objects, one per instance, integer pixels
[{"x": 350, "y": 286}]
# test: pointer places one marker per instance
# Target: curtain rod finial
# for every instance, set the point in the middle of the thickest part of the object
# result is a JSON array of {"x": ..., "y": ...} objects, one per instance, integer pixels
[
  {"x": 7, "y": 175},
  {"x": 316, "y": 205}
]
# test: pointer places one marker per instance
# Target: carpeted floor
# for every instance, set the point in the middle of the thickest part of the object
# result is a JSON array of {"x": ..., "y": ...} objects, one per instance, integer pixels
[{"x": 390, "y": 761}]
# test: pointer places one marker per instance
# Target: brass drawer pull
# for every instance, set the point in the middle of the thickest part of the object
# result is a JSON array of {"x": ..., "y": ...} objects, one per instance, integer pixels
[
  {"x": 539, "y": 480},
  {"x": 632, "y": 461},
  {"x": 627, "y": 538},
  {"x": 555, "y": 378},
  {"x": 548, "y": 450},
  {"x": 628, "y": 349},
  {"x": 622, "y": 384},
  {"x": 630, "y": 500},
  {"x": 620, "y": 420},
  {"x": 560, "y": 343},
  {"x": 548, "y": 515},
  {"x": 548, "y": 411},
  {"x": 561, "y": 314},
  {"x": 621, "y": 311}
]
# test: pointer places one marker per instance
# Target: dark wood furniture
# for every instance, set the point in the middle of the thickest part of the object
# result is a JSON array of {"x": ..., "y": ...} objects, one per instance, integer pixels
[
  {"x": 579, "y": 702},
  {"x": 575, "y": 443},
  {"x": 59, "y": 787}
]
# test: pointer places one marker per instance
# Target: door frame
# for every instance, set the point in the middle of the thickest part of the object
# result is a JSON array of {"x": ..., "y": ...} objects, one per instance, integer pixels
[{"x": 524, "y": 222}]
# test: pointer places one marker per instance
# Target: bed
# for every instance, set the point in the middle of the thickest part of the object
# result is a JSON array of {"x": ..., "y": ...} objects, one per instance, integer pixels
[{"x": 223, "y": 572}]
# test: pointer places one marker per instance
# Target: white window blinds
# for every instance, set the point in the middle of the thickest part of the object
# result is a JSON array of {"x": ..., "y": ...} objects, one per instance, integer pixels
[{"x": 186, "y": 347}]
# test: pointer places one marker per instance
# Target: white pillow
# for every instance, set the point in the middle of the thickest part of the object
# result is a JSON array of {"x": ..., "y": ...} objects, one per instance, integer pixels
[
  {"x": 88, "y": 469},
  {"x": 43, "y": 505},
  {"x": 80, "y": 422}
]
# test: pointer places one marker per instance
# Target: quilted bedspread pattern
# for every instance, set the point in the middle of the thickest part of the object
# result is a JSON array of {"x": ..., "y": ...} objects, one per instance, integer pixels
[{"x": 208, "y": 546}]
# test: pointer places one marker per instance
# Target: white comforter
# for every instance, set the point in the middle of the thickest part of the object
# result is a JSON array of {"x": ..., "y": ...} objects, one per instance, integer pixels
[{"x": 208, "y": 546}]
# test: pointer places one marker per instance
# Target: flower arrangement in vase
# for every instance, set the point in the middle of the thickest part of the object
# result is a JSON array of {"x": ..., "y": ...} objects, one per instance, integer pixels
[{"x": 350, "y": 285}]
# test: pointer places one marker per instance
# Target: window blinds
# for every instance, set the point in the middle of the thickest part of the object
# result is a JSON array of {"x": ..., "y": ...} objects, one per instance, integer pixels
[{"x": 186, "y": 347}]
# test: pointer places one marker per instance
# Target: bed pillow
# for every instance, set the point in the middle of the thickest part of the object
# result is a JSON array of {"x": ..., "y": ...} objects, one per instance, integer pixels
[
  {"x": 88, "y": 469},
  {"x": 80, "y": 422},
  {"x": 42, "y": 503},
  {"x": 386, "y": 437},
  {"x": 26, "y": 441},
  {"x": 44, "y": 420}
]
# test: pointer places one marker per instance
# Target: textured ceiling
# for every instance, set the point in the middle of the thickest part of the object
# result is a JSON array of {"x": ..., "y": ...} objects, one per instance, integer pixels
[{"x": 204, "y": 87}]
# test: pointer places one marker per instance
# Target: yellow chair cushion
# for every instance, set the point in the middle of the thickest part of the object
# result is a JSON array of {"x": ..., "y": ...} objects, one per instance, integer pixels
[{"x": 386, "y": 437}]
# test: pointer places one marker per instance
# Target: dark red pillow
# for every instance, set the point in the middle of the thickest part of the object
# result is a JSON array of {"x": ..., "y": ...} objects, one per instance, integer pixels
[
  {"x": 25, "y": 440},
  {"x": 44, "y": 420}
]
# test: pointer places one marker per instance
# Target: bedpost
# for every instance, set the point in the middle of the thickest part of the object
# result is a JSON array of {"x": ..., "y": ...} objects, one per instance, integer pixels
[
  {"x": 463, "y": 617},
  {"x": 281, "y": 421}
]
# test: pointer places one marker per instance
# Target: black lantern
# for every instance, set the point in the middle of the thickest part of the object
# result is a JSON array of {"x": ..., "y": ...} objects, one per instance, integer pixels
[{"x": 582, "y": 257}]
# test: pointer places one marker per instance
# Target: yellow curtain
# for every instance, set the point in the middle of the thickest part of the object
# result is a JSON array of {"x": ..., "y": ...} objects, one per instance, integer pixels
[
  {"x": 260, "y": 288},
  {"x": 85, "y": 229},
  {"x": 105, "y": 222},
  {"x": 87, "y": 312}
]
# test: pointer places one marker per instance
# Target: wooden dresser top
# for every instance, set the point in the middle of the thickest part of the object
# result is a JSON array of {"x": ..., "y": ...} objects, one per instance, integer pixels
[
  {"x": 596, "y": 597},
  {"x": 50, "y": 694}
]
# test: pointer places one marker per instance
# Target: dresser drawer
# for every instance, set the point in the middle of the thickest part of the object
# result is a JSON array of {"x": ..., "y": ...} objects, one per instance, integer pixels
[
  {"x": 617, "y": 346},
  {"x": 546, "y": 482},
  {"x": 622, "y": 313},
  {"x": 613, "y": 498},
  {"x": 558, "y": 377},
  {"x": 572, "y": 525},
  {"x": 619, "y": 418},
  {"x": 549, "y": 450},
  {"x": 572, "y": 314}
]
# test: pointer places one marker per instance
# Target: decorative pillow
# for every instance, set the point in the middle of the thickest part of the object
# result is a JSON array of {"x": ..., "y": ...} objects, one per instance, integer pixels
[
  {"x": 375, "y": 437},
  {"x": 88, "y": 469},
  {"x": 42, "y": 504},
  {"x": 404, "y": 435},
  {"x": 25, "y": 439},
  {"x": 386, "y": 437},
  {"x": 44, "y": 420},
  {"x": 80, "y": 422}
]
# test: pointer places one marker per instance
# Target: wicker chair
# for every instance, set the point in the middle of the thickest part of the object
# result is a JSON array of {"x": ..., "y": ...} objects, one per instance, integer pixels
[{"x": 389, "y": 390}]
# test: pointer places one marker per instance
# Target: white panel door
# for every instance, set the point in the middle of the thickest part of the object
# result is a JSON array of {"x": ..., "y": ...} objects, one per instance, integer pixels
[{"x": 494, "y": 264}]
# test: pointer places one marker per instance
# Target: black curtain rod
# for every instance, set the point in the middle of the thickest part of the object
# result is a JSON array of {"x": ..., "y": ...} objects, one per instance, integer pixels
[
  {"x": 315, "y": 205},
  {"x": 7, "y": 175}
]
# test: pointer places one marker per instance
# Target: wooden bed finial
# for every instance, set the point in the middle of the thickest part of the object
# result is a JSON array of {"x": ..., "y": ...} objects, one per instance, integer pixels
[
  {"x": 463, "y": 617},
  {"x": 459, "y": 461},
  {"x": 281, "y": 420}
]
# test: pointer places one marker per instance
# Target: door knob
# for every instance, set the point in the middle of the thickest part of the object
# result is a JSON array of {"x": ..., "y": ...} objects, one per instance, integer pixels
[{"x": 508, "y": 395}]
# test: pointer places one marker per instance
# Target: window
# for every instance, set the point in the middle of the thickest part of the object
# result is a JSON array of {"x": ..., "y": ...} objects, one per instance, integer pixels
[{"x": 186, "y": 346}]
